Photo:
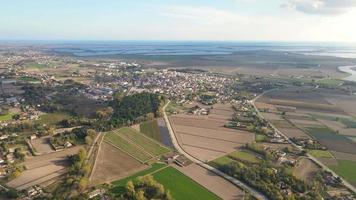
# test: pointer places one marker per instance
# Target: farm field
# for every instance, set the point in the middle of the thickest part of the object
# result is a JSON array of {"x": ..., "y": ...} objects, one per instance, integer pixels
[
  {"x": 330, "y": 122},
  {"x": 205, "y": 137},
  {"x": 181, "y": 186},
  {"x": 214, "y": 183},
  {"x": 332, "y": 140},
  {"x": 135, "y": 144},
  {"x": 320, "y": 154},
  {"x": 52, "y": 118},
  {"x": 244, "y": 156},
  {"x": 107, "y": 168},
  {"x": 119, "y": 185},
  {"x": 151, "y": 129},
  {"x": 43, "y": 168},
  {"x": 346, "y": 169},
  {"x": 165, "y": 136},
  {"x": 305, "y": 169},
  {"x": 42, "y": 145}
]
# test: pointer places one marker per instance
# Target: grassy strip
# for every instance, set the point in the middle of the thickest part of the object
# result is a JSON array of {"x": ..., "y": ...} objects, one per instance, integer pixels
[
  {"x": 320, "y": 154},
  {"x": 244, "y": 157},
  {"x": 181, "y": 186}
]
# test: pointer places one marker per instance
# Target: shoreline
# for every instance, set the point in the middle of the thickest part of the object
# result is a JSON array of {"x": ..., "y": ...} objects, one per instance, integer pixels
[{"x": 351, "y": 70}]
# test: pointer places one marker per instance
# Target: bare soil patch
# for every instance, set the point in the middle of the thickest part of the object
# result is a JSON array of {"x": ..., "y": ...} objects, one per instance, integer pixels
[
  {"x": 113, "y": 164},
  {"x": 42, "y": 145},
  {"x": 40, "y": 169},
  {"x": 216, "y": 184},
  {"x": 206, "y": 138},
  {"x": 294, "y": 132},
  {"x": 305, "y": 169},
  {"x": 344, "y": 156}
]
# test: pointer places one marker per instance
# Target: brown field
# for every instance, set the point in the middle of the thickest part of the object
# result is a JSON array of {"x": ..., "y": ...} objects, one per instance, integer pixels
[
  {"x": 305, "y": 169},
  {"x": 272, "y": 116},
  {"x": 281, "y": 123},
  {"x": 43, "y": 168},
  {"x": 261, "y": 105},
  {"x": 294, "y": 132},
  {"x": 344, "y": 156},
  {"x": 113, "y": 164},
  {"x": 216, "y": 184},
  {"x": 42, "y": 145},
  {"x": 308, "y": 123},
  {"x": 205, "y": 137}
]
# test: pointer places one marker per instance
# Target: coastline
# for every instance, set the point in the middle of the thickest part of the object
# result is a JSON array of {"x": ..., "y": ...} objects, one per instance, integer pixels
[{"x": 351, "y": 70}]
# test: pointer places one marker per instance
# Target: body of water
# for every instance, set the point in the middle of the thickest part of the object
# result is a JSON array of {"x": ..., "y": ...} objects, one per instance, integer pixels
[
  {"x": 350, "y": 70},
  {"x": 87, "y": 49}
]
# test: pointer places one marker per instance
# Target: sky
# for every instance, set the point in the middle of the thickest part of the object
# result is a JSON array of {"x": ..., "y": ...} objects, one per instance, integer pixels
[{"x": 218, "y": 20}]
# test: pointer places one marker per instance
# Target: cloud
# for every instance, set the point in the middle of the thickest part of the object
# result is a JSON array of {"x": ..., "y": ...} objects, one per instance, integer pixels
[{"x": 321, "y": 7}]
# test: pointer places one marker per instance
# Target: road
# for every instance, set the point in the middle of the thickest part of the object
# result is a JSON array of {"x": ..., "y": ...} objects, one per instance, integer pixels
[
  {"x": 180, "y": 149},
  {"x": 324, "y": 167}
]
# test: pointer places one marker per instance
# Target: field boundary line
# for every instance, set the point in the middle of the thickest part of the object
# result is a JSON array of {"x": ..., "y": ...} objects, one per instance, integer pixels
[
  {"x": 136, "y": 145},
  {"x": 126, "y": 152}
]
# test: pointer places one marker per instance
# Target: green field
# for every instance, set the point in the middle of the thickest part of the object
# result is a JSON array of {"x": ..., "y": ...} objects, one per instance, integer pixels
[
  {"x": 325, "y": 134},
  {"x": 131, "y": 149},
  {"x": 135, "y": 144},
  {"x": 6, "y": 117},
  {"x": 348, "y": 122},
  {"x": 35, "y": 65},
  {"x": 260, "y": 138},
  {"x": 320, "y": 154},
  {"x": 29, "y": 79},
  {"x": 224, "y": 160},
  {"x": 181, "y": 186},
  {"x": 244, "y": 157},
  {"x": 346, "y": 169},
  {"x": 174, "y": 107},
  {"x": 330, "y": 82},
  {"x": 151, "y": 146},
  {"x": 119, "y": 185},
  {"x": 151, "y": 129},
  {"x": 52, "y": 118}
]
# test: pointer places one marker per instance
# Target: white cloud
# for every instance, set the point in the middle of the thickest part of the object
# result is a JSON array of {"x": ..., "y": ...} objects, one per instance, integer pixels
[
  {"x": 323, "y": 7},
  {"x": 208, "y": 23}
]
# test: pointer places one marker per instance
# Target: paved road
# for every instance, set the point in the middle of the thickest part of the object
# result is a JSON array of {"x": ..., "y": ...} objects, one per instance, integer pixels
[
  {"x": 324, "y": 167},
  {"x": 180, "y": 149}
]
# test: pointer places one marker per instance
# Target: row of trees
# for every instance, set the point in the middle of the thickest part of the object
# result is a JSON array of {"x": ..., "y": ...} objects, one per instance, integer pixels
[{"x": 145, "y": 188}]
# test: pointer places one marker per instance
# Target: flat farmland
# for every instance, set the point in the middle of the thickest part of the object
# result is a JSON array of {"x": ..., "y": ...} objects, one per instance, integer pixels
[
  {"x": 332, "y": 140},
  {"x": 42, "y": 145},
  {"x": 43, "y": 168},
  {"x": 135, "y": 144},
  {"x": 216, "y": 184},
  {"x": 107, "y": 168},
  {"x": 181, "y": 186},
  {"x": 205, "y": 138}
]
